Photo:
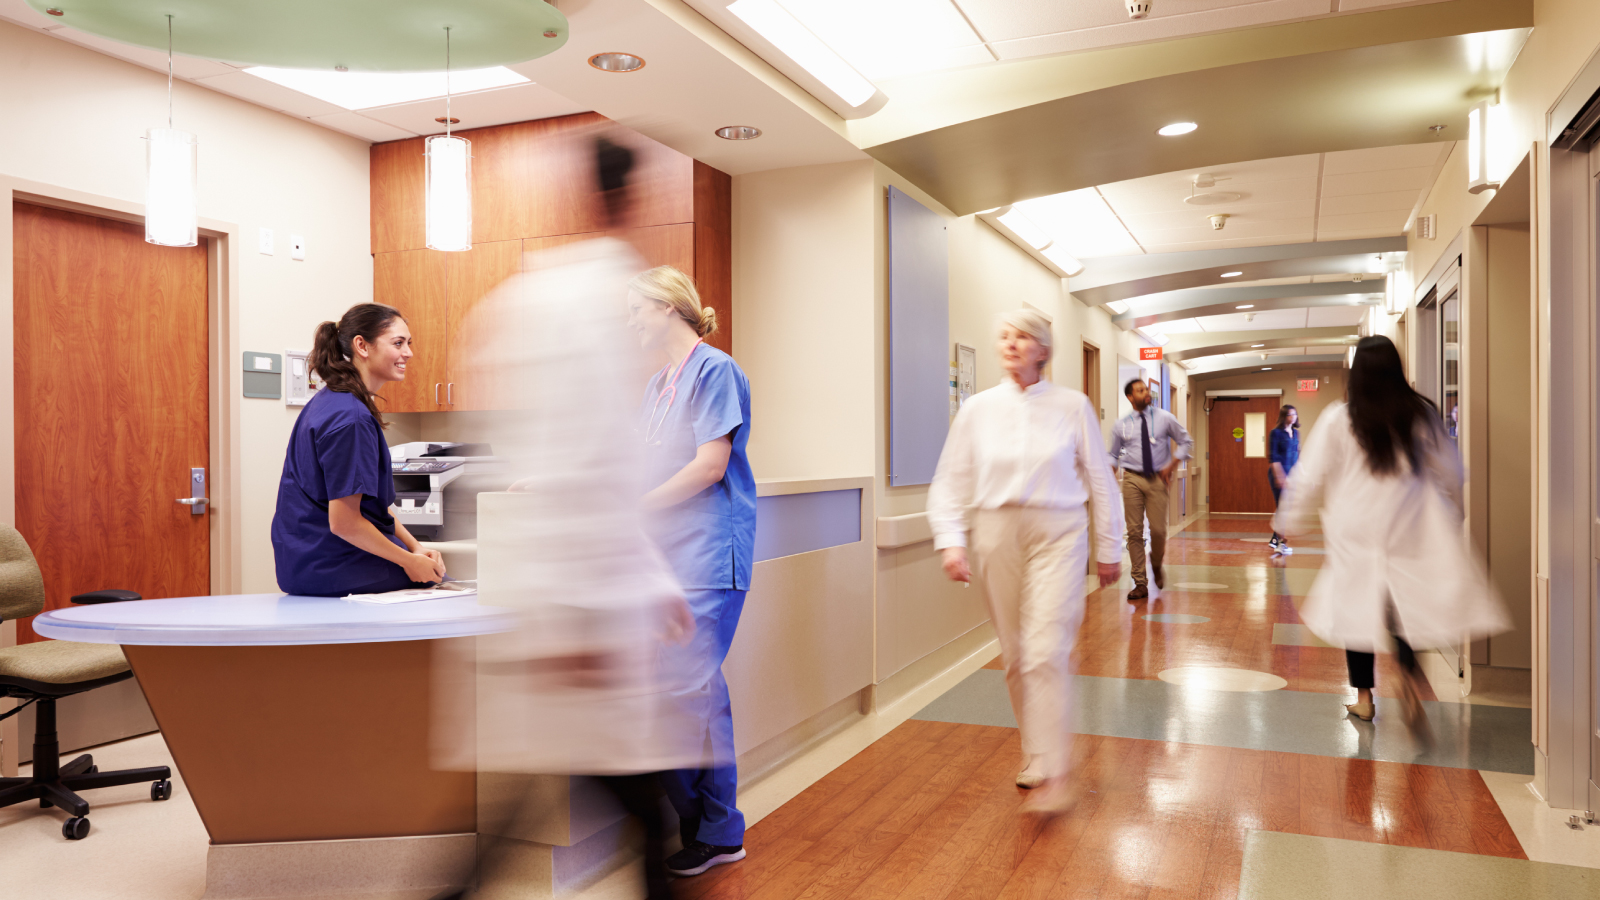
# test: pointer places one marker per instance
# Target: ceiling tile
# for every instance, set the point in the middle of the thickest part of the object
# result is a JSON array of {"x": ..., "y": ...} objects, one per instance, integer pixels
[
  {"x": 1244, "y": 229},
  {"x": 1285, "y": 237},
  {"x": 1177, "y": 326},
  {"x": 1029, "y": 29},
  {"x": 516, "y": 103},
  {"x": 1329, "y": 316},
  {"x": 358, "y": 125},
  {"x": 1393, "y": 220},
  {"x": 1404, "y": 156},
  {"x": 1263, "y": 282},
  {"x": 1230, "y": 177},
  {"x": 1199, "y": 217},
  {"x": 1386, "y": 180},
  {"x": 1263, "y": 321},
  {"x": 1387, "y": 201},
  {"x": 273, "y": 96}
]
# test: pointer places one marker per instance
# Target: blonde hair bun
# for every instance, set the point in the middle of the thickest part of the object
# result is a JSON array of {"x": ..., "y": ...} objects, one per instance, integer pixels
[{"x": 672, "y": 286}]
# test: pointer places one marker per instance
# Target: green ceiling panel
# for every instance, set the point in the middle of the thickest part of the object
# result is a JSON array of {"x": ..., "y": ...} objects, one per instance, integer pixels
[{"x": 361, "y": 35}]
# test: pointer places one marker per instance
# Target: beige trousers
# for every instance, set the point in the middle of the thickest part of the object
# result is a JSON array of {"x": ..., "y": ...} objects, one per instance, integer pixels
[
  {"x": 1144, "y": 498},
  {"x": 1031, "y": 564}
]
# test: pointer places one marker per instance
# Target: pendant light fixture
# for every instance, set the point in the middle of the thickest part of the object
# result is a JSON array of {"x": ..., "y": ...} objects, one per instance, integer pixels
[
  {"x": 449, "y": 181},
  {"x": 170, "y": 215}
]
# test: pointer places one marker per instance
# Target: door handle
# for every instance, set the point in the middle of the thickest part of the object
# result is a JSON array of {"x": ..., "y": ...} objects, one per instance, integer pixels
[
  {"x": 436, "y": 393},
  {"x": 450, "y": 394},
  {"x": 197, "y": 500}
]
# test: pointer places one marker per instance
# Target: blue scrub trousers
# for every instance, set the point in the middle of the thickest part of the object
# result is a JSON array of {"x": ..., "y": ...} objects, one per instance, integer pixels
[{"x": 711, "y": 794}]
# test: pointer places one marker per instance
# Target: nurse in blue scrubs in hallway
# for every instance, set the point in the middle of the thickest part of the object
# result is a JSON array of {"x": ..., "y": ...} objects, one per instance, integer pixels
[
  {"x": 333, "y": 533},
  {"x": 696, "y": 423}
]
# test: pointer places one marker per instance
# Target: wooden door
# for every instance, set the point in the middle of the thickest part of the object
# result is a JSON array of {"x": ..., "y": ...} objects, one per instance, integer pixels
[
  {"x": 413, "y": 281},
  {"x": 112, "y": 409},
  {"x": 472, "y": 276},
  {"x": 1240, "y": 432}
]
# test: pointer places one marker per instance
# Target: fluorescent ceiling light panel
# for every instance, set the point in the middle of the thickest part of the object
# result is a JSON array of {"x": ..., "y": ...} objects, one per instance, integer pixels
[
  {"x": 1231, "y": 274},
  {"x": 1082, "y": 223},
  {"x": 365, "y": 90},
  {"x": 1024, "y": 227},
  {"x": 1117, "y": 306},
  {"x": 890, "y": 38},
  {"x": 1176, "y": 128},
  {"x": 795, "y": 41},
  {"x": 1066, "y": 261}
]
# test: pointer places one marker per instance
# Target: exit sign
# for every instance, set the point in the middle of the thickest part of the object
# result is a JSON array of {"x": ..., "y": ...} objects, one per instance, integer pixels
[
  {"x": 1307, "y": 385},
  {"x": 1149, "y": 353}
]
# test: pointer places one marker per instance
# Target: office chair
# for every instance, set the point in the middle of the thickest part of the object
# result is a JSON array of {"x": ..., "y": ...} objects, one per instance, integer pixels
[{"x": 46, "y": 671}]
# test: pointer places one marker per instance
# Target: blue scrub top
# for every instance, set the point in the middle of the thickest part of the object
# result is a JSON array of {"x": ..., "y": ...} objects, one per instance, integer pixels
[
  {"x": 1285, "y": 449},
  {"x": 335, "y": 450},
  {"x": 710, "y": 538}
]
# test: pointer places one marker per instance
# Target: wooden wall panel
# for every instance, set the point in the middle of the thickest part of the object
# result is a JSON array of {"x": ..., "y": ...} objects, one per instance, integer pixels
[
  {"x": 561, "y": 164},
  {"x": 413, "y": 281},
  {"x": 503, "y": 192},
  {"x": 398, "y": 183},
  {"x": 713, "y": 248},
  {"x": 663, "y": 184},
  {"x": 111, "y": 408},
  {"x": 472, "y": 276}
]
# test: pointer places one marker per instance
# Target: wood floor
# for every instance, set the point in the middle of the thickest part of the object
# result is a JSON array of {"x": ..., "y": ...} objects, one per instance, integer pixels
[{"x": 930, "y": 811}]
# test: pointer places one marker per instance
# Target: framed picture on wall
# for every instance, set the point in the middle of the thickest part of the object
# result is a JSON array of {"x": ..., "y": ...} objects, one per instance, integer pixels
[{"x": 966, "y": 373}]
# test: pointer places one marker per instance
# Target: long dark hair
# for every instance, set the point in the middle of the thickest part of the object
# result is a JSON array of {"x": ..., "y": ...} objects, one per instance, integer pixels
[
  {"x": 1387, "y": 416},
  {"x": 1283, "y": 417},
  {"x": 331, "y": 353}
]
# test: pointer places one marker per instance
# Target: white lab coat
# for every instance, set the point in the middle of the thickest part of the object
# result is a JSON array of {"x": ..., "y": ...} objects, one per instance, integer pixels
[{"x": 1396, "y": 536}]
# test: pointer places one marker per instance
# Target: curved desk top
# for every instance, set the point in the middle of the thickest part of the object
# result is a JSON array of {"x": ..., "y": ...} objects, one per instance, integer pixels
[{"x": 242, "y": 620}]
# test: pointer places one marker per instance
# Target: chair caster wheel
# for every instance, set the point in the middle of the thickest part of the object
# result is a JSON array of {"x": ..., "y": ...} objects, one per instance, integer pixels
[
  {"x": 161, "y": 790},
  {"x": 75, "y": 828}
]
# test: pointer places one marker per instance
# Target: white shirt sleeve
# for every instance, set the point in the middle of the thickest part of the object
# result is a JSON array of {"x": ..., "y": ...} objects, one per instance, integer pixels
[
  {"x": 1102, "y": 487},
  {"x": 953, "y": 484}
]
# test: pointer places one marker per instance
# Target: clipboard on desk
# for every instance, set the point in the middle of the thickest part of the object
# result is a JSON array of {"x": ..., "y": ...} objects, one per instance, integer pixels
[{"x": 440, "y": 591}]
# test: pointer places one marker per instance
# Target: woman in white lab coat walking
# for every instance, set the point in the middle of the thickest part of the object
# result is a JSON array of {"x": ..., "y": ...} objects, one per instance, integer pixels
[
  {"x": 1025, "y": 457},
  {"x": 1387, "y": 480}
]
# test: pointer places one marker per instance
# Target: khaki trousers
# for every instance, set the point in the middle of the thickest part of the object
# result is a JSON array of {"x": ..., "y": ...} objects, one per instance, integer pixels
[
  {"x": 1031, "y": 564},
  {"x": 1145, "y": 498}
]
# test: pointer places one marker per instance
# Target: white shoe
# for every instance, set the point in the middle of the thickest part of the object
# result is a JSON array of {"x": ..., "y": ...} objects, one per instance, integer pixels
[
  {"x": 1286, "y": 550},
  {"x": 1032, "y": 774}
]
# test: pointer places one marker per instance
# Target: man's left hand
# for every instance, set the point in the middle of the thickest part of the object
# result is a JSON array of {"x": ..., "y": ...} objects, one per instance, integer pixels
[{"x": 1167, "y": 470}]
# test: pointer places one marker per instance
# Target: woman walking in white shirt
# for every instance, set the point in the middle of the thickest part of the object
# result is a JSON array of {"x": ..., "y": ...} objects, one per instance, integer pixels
[
  {"x": 1386, "y": 478},
  {"x": 1026, "y": 456}
]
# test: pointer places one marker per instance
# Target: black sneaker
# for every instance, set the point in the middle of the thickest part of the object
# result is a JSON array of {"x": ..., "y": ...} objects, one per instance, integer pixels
[
  {"x": 688, "y": 827},
  {"x": 700, "y": 856},
  {"x": 1274, "y": 542}
]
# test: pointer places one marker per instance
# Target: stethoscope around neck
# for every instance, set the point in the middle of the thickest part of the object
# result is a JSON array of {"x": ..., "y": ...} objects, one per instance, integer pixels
[{"x": 669, "y": 393}]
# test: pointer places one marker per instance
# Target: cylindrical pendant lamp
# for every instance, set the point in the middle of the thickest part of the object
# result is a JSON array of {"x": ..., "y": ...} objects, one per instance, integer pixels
[
  {"x": 171, "y": 217},
  {"x": 449, "y": 193}
]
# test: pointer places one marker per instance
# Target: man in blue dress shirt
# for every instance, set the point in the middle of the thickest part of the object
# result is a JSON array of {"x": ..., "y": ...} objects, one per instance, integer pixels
[{"x": 1141, "y": 447}]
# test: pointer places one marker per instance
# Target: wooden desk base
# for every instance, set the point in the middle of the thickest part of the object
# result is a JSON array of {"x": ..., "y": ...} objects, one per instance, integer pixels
[{"x": 309, "y": 742}]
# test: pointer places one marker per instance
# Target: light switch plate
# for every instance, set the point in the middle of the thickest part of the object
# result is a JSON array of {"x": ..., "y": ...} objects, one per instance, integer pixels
[
  {"x": 266, "y": 242},
  {"x": 297, "y": 247}
]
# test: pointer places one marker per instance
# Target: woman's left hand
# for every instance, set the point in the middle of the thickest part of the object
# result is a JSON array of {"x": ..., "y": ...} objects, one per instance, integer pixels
[
  {"x": 438, "y": 559},
  {"x": 678, "y": 623},
  {"x": 1110, "y": 573}
]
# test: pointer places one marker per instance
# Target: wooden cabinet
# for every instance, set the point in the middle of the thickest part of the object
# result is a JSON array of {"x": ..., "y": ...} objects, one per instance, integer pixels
[
  {"x": 473, "y": 276},
  {"x": 413, "y": 281}
]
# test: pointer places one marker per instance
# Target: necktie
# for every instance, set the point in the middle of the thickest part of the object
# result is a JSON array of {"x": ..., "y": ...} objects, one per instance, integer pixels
[{"x": 1144, "y": 445}]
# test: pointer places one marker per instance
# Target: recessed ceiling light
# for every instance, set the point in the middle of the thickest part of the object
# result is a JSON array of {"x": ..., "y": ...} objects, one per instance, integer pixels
[
  {"x": 616, "y": 62},
  {"x": 1231, "y": 274},
  {"x": 1176, "y": 128},
  {"x": 365, "y": 90},
  {"x": 1266, "y": 368},
  {"x": 1253, "y": 346},
  {"x": 1245, "y": 306},
  {"x": 738, "y": 132}
]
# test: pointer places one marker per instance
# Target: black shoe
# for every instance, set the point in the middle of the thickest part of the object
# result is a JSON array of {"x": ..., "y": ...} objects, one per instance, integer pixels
[
  {"x": 688, "y": 828},
  {"x": 700, "y": 856},
  {"x": 1139, "y": 592}
]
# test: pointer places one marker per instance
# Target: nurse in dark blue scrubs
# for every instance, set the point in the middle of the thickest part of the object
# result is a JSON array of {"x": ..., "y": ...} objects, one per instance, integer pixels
[{"x": 333, "y": 534}]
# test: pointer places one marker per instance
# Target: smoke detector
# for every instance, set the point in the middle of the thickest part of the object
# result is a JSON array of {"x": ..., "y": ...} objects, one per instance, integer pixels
[
  {"x": 1219, "y": 221},
  {"x": 1137, "y": 9}
]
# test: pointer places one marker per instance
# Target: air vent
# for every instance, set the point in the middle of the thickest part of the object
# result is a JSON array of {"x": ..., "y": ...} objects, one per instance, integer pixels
[{"x": 1425, "y": 227}]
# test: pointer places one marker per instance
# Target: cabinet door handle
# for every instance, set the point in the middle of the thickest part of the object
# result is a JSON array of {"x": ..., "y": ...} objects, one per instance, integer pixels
[
  {"x": 450, "y": 394},
  {"x": 436, "y": 393}
]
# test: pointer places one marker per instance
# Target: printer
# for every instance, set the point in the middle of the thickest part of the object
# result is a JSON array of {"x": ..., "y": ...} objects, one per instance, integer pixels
[{"x": 423, "y": 473}]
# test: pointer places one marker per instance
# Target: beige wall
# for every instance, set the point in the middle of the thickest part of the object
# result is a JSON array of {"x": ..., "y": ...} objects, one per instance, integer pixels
[
  {"x": 78, "y": 121},
  {"x": 1509, "y": 419}
]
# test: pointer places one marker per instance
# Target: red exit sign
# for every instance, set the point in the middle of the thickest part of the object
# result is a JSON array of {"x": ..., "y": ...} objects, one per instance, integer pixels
[
  {"x": 1307, "y": 385},
  {"x": 1149, "y": 353}
]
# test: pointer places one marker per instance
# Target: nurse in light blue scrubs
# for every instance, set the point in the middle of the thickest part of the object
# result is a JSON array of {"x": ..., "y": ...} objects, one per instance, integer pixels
[
  {"x": 333, "y": 534},
  {"x": 695, "y": 422}
]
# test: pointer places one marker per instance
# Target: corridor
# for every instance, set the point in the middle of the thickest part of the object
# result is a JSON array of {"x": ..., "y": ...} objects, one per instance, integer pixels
[{"x": 1213, "y": 760}]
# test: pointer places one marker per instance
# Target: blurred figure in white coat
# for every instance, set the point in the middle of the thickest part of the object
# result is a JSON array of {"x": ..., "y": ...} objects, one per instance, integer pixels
[
  {"x": 1025, "y": 457},
  {"x": 1385, "y": 476}
]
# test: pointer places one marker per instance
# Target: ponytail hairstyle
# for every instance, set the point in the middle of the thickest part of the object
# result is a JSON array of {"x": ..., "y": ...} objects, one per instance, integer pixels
[
  {"x": 1387, "y": 416},
  {"x": 332, "y": 356},
  {"x": 669, "y": 285}
]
